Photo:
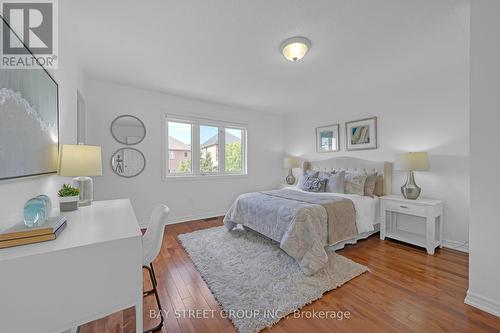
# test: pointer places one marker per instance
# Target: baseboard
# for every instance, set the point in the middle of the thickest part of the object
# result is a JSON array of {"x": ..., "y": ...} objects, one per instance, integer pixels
[
  {"x": 483, "y": 303},
  {"x": 144, "y": 224},
  {"x": 459, "y": 246}
]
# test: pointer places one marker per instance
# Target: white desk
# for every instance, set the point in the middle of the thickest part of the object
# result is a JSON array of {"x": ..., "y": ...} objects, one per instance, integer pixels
[{"x": 94, "y": 268}]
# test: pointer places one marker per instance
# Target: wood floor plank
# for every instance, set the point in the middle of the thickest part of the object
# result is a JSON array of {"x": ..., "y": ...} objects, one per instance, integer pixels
[{"x": 406, "y": 290}]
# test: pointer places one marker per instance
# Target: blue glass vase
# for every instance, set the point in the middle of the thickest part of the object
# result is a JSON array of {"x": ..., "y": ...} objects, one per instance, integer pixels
[
  {"x": 34, "y": 212},
  {"x": 48, "y": 206}
]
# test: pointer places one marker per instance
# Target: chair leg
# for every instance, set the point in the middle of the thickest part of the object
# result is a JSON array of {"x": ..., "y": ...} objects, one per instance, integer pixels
[
  {"x": 154, "y": 274},
  {"x": 155, "y": 292}
]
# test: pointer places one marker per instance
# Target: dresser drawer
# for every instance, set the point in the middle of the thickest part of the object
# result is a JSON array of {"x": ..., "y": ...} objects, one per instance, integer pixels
[{"x": 403, "y": 207}]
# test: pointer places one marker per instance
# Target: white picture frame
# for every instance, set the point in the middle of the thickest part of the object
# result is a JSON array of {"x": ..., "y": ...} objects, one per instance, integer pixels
[
  {"x": 361, "y": 134},
  {"x": 327, "y": 138}
]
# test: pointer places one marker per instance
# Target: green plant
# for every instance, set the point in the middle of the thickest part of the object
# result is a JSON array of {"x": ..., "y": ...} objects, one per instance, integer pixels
[
  {"x": 233, "y": 157},
  {"x": 68, "y": 191},
  {"x": 185, "y": 165},
  {"x": 206, "y": 163}
]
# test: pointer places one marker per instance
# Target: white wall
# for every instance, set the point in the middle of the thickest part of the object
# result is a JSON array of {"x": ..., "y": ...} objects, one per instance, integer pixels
[
  {"x": 188, "y": 199},
  {"x": 484, "y": 271},
  {"x": 14, "y": 193},
  {"x": 427, "y": 113}
]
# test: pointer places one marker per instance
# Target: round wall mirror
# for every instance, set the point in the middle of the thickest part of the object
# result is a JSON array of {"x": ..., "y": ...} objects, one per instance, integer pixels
[
  {"x": 128, "y": 162},
  {"x": 128, "y": 130}
]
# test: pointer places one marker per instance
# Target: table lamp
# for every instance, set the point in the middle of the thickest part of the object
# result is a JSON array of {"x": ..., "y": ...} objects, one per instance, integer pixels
[
  {"x": 411, "y": 162},
  {"x": 290, "y": 163},
  {"x": 81, "y": 161}
]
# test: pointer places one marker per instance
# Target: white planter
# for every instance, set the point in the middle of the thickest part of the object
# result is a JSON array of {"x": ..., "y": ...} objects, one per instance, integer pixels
[{"x": 67, "y": 204}]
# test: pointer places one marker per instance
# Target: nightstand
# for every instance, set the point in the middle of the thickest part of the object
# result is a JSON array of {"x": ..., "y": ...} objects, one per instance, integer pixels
[{"x": 431, "y": 212}]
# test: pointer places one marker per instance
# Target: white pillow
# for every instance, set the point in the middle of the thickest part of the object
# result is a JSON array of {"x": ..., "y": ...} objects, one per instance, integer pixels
[
  {"x": 355, "y": 182},
  {"x": 335, "y": 181}
]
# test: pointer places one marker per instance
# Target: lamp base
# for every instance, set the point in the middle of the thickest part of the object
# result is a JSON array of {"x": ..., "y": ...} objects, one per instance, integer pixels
[
  {"x": 86, "y": 187},
  {"x": 290, "y": 179},
  {"x": 410, "y": 189}
]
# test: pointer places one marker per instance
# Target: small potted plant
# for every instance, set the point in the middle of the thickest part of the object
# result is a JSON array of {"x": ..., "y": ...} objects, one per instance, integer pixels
[{"x": 68, "y": 198}]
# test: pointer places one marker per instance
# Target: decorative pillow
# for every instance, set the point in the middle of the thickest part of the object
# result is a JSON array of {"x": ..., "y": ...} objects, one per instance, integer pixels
[
  {"x": 379, "y": 186},
  {"x": 312, "y": 184},
  {"x": 371, "y": 181},
  {"x": 355, "y": 183},
  {"x": 335, "y": 182},
  {"x": 309, "y": 173}
]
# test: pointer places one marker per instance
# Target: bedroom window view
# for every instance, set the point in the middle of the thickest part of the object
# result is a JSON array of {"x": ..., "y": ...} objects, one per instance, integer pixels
[
  {"x": 221, "y": 149},
  {"x": 209, "y": 149},
  {"x": 233, "y": 150},
  {"x": 179, "y": 148}
]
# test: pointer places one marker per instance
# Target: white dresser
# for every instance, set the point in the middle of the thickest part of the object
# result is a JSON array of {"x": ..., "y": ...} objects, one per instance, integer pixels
[
  {"x": 429, "y": 210},
  {"x": 94, "y": 268}
]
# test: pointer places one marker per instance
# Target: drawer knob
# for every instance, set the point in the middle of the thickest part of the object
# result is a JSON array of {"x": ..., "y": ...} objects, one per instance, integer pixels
[{"x": 403, "y": 206}]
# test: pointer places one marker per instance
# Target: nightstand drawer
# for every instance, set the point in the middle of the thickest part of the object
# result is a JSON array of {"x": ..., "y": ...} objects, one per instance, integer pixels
[{"x": 404, "y": 207}]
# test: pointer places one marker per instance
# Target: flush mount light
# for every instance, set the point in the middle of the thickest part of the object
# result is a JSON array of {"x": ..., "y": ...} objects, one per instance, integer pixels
[{"x": 295, "y": 48}]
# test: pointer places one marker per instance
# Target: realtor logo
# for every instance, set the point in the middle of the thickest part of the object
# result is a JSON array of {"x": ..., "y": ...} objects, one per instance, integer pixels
[{"x": 33, "y": 25}]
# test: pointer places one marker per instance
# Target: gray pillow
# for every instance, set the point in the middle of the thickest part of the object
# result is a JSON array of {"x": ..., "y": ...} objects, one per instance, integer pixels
[
  {"x": 335, "y": 181},
  {"x": 355, "y": 183},
  {"x": 309, "y": 173},
  {"x": 312, "y": 184}
]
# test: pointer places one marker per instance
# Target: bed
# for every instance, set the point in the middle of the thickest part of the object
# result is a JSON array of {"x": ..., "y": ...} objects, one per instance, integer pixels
[{"x": 305, "y": 223}]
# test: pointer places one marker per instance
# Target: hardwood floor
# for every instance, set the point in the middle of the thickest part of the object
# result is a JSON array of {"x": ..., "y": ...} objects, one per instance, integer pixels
[{"x": 405, "y": 291}]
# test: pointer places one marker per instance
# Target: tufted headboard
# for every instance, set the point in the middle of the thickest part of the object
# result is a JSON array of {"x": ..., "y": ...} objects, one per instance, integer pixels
[{"x": 352, "y": 163}]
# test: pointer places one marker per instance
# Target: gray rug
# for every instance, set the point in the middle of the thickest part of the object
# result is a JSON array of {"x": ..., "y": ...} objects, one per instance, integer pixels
[{"x": 256, "y": 282}]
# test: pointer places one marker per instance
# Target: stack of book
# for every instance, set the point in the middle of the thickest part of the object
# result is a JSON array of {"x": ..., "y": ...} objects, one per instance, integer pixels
[{"x": 22, "y": 235}]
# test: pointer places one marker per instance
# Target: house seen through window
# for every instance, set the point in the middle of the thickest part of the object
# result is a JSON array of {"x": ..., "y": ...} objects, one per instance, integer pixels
[{"x": 220, "y": 147}]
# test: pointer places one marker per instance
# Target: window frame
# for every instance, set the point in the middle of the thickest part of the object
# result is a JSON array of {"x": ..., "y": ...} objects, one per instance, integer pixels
[{"x": 195, "y": 123}]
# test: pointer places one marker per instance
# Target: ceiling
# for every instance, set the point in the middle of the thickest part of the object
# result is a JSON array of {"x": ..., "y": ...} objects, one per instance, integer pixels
[{"x": 227, "y": 51}]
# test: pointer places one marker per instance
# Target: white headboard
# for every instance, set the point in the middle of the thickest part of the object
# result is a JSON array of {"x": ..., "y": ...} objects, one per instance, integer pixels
[{"x": 350, "y": 163}]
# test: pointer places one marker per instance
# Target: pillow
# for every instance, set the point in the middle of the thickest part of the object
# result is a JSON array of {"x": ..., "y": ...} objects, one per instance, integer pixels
[
  {"x": 355, "y": 183},
  {"x": 371, "y": 181},
  {"x": 335, "y": 182},
  {"x": 309, "y": 173},
  {"x": 379, "y": 186},
  {"x": 312, "y": 184}
]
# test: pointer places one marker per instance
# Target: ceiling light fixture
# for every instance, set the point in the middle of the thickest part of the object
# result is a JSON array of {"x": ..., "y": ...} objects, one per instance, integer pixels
[{"x": 295, "y": 48}]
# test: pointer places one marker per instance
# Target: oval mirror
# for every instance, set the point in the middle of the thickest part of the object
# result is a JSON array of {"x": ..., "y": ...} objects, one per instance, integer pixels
[
  {"x": 128, "y": 130},
  {"x": 128, "y": 162}
]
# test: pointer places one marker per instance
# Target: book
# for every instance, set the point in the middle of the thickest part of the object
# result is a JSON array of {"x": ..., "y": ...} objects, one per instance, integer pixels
[
  {"x": 21, "y": 231},
  {"x": 33, "y": 239}
]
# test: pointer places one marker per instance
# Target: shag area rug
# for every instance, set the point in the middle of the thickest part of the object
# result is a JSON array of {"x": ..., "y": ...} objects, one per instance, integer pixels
[{"x": 255, "y": 281}]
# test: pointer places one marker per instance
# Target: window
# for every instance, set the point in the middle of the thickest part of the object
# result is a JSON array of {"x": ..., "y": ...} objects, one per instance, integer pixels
[
  {"x": 179, "y": 147},
  {"x": 209, "y": 149},
  {"x": 218, "y": 148},
  {"x": 233, "y": 150}
]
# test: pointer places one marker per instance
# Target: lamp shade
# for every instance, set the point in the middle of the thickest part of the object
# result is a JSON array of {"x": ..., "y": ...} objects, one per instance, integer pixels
[
  {"x": 291, "y": 162},
  {"x": 80, "y": 160},
  {"x": 412, "y": 162}
]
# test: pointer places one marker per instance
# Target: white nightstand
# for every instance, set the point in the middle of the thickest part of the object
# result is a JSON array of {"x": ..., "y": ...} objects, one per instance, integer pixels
[
  {"x": 428, "y": 209},
  {"x": 281, "y": 186}
]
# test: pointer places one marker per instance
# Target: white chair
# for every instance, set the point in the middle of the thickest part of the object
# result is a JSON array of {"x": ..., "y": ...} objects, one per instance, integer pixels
[{"x": 151, "y": 245}]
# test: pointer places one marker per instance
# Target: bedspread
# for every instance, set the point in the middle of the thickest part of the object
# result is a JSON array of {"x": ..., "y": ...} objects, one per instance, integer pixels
[{"x": 302, "y": 223}]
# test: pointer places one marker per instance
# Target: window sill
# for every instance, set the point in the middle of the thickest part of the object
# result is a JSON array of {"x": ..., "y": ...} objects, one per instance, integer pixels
[{"x": 206, "y": 177}]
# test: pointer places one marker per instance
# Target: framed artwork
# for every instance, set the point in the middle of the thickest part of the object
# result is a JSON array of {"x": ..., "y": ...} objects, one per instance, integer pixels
[
  {"x": 29, "y": 120},
  {"x": 327, "y": 138},
  {"x": 361, "y": 134}
]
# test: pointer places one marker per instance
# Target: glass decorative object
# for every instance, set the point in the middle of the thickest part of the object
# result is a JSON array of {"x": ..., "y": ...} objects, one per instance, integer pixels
[
  {"x": 48, "y": 205},
  {"x": 34, "y": 212}
]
